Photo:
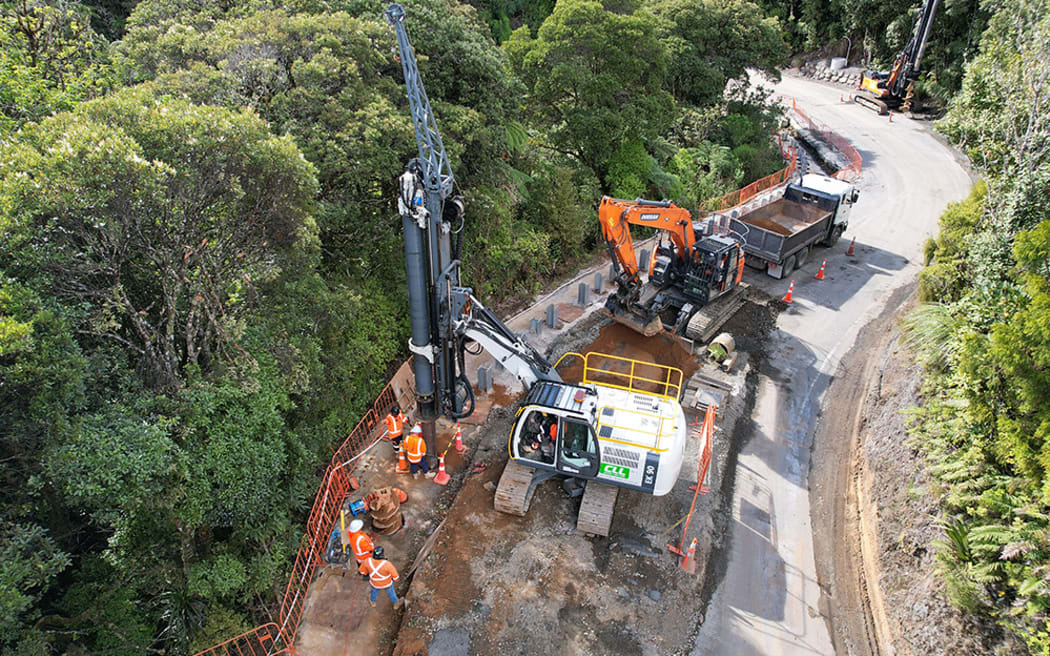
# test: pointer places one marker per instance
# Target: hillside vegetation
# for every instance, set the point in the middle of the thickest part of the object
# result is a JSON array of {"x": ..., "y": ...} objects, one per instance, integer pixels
[
  {"x": 984, "y": 334},
  {"x": 201, "y": 269}
]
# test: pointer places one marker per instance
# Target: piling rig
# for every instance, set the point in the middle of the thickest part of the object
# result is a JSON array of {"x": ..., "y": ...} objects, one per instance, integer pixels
[{"x": 621, "y": 426}]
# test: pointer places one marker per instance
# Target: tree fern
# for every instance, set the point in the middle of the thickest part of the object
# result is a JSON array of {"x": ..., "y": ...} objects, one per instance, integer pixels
[{"x": 515, "y": 137}]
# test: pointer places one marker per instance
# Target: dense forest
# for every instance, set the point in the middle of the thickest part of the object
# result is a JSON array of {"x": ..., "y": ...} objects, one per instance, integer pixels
[
  {"x": 984, "y": 336},
  {"x": 201, "y": 277},
  {"x": 202, "y": 268}
]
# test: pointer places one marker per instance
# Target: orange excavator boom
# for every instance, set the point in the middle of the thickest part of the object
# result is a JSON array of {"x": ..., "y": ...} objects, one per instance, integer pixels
[{"x": 616, "y": 216}]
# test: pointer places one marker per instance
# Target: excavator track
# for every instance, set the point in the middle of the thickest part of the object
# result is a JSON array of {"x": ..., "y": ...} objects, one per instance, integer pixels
[
  {"x": 708, "y": 320},
  {"x": 596, "y": 508},
  {"x": 871, "y": 103},
  {"x": 514, "y": 492}
]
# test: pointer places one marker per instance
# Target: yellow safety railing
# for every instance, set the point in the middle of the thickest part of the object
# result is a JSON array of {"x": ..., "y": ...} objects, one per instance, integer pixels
[
  {"x": 667, "y": 386},
  {"x": 659, "y": 432}
]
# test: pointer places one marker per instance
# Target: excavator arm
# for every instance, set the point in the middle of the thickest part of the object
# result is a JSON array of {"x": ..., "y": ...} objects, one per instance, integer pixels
[{"x": 617, "y": 215}]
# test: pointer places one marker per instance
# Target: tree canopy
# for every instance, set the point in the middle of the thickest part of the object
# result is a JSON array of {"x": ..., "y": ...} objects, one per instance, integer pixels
[{"x": 201, "y": 267}]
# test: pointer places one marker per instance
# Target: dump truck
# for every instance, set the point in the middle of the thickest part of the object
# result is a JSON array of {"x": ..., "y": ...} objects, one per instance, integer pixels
[{"x": 779, "y": 236}]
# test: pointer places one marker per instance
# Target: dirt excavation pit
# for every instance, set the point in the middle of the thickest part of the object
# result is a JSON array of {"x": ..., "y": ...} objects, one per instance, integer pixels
[
  {"x": 500, "y": 584},
  {"x": 618, "y": 340}
]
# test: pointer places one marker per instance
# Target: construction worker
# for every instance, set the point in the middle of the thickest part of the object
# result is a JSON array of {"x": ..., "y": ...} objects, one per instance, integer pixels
[
  {"x": 395, "y": 423},
  {"x": 381, "y": 576},
  {"x": 416, "y": 452},
  {"x": 549, "y": 437},
  {"x": 360, "y": 543}
]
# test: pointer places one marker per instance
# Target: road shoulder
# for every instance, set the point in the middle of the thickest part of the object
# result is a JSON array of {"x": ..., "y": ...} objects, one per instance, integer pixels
[{"x": 875, "y": 515}]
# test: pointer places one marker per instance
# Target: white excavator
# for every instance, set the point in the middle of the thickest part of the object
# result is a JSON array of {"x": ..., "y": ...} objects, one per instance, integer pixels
[{"x": 620, "y": 426}]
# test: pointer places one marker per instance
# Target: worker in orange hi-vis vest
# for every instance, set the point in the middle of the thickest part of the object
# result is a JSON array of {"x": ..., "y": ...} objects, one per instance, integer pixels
[
  {"x": 416, "y": 451},
  {"x": 381, "y": 576},
  {"x": 395, "y": 424},
  {"x": 360, "y": 543}
]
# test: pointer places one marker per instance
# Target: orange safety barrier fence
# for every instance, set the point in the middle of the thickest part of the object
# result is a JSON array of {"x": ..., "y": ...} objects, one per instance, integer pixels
[
  {"x": 744, "y": 194},
  {"x": 703, "y": 463},
  {"x": 852, "y": 167},
  {"x": 272, "y": 639},
  {"x": 260, "y": 641}
]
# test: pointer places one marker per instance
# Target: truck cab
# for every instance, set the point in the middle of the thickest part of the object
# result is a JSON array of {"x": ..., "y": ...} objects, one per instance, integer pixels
[{"x": 829, "y": 194}]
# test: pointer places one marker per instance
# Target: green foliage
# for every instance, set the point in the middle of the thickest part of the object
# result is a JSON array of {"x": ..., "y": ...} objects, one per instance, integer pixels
[
  {"x": 715, "y": 41},
  {"x": 159, "y": 218},
  {"x": 985, "y": 425},
  {"x": 29, "y": 562},
  {"x": 628, "y": 171},
  {"x": 50, "y": 58},
  {"x": 945, "y": 277},
  {"x": 592, "y": 94},
  {"x": 999, "y": 117},
  {"x": 930, "y": 331}
]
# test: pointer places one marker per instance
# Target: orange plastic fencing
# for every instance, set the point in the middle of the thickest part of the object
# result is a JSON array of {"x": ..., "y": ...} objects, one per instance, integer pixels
[
  {"x": 741, "y": 196},
  {"x": 703, "y": 463},
  {"x": 275, "y": 640},
  {"x": 260, "y": 641},
  {"x": 852, "y": 168}
]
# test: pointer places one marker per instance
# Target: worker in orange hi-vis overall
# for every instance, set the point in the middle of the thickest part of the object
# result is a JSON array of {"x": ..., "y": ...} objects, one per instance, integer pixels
[
  {"x": 416, "y": 451},
  {"x": 381, "y": 576},
  {"x": 360, "y": 543},
  {"x": 395, "y": 424}
]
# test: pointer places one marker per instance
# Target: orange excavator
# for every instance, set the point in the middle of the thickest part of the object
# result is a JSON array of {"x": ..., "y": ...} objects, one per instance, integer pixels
[{"x": 685, "y": 273}]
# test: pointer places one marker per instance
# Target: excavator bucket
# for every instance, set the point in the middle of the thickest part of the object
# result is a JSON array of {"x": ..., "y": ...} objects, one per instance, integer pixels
[{"x": 630, "y": 319}]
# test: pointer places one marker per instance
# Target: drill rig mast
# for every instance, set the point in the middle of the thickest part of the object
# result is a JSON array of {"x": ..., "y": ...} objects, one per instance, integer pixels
[{"x": 444, "y": 315}]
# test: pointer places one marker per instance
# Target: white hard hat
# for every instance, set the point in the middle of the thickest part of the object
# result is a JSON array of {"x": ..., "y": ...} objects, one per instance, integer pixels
[
  {"x": 416, "y": 429},
  {"x": 356, "y": 525}
]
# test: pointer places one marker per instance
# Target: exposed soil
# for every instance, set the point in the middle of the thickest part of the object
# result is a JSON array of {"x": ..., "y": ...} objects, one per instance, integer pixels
[
  {"x": 498, "y": 584},
  {"x": 881, "y": 593},
  {"x": 619, "y": 340}
]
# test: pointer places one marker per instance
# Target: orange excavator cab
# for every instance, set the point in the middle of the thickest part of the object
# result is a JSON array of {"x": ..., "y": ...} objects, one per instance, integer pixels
[{"x": 684, "y": 273}]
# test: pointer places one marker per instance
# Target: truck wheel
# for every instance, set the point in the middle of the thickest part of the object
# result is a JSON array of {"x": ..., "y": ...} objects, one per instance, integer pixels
[
  {"x": 834, "y": 236},
  {"x": 789, "y": 265},
  {"x": 802, "y": 256}
]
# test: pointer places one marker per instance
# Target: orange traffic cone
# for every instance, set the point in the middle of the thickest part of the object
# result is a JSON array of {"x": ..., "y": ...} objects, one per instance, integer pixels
[
  {"x": 442, "y": 477},
  {"x": 890, "y": 112},
  {"x": 689, "y": 564},
  {"x": 402, "y": 463},
  {"x": 820, "y": 274},
  {"x": 849, "y": 251},
  {"x": 459, "y": 439},
  {"x": 791, "y": 288},
  {"x": 841, "y": 99}
]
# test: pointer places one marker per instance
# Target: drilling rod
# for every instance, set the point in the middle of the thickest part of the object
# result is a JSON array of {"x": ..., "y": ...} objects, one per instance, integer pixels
[
  {"x": 444, "y": 315},
  {"x": 425, "y": 185}
]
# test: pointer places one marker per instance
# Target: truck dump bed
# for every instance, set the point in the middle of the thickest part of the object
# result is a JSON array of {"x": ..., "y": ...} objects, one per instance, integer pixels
[{"x": 776, "y": 230}]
